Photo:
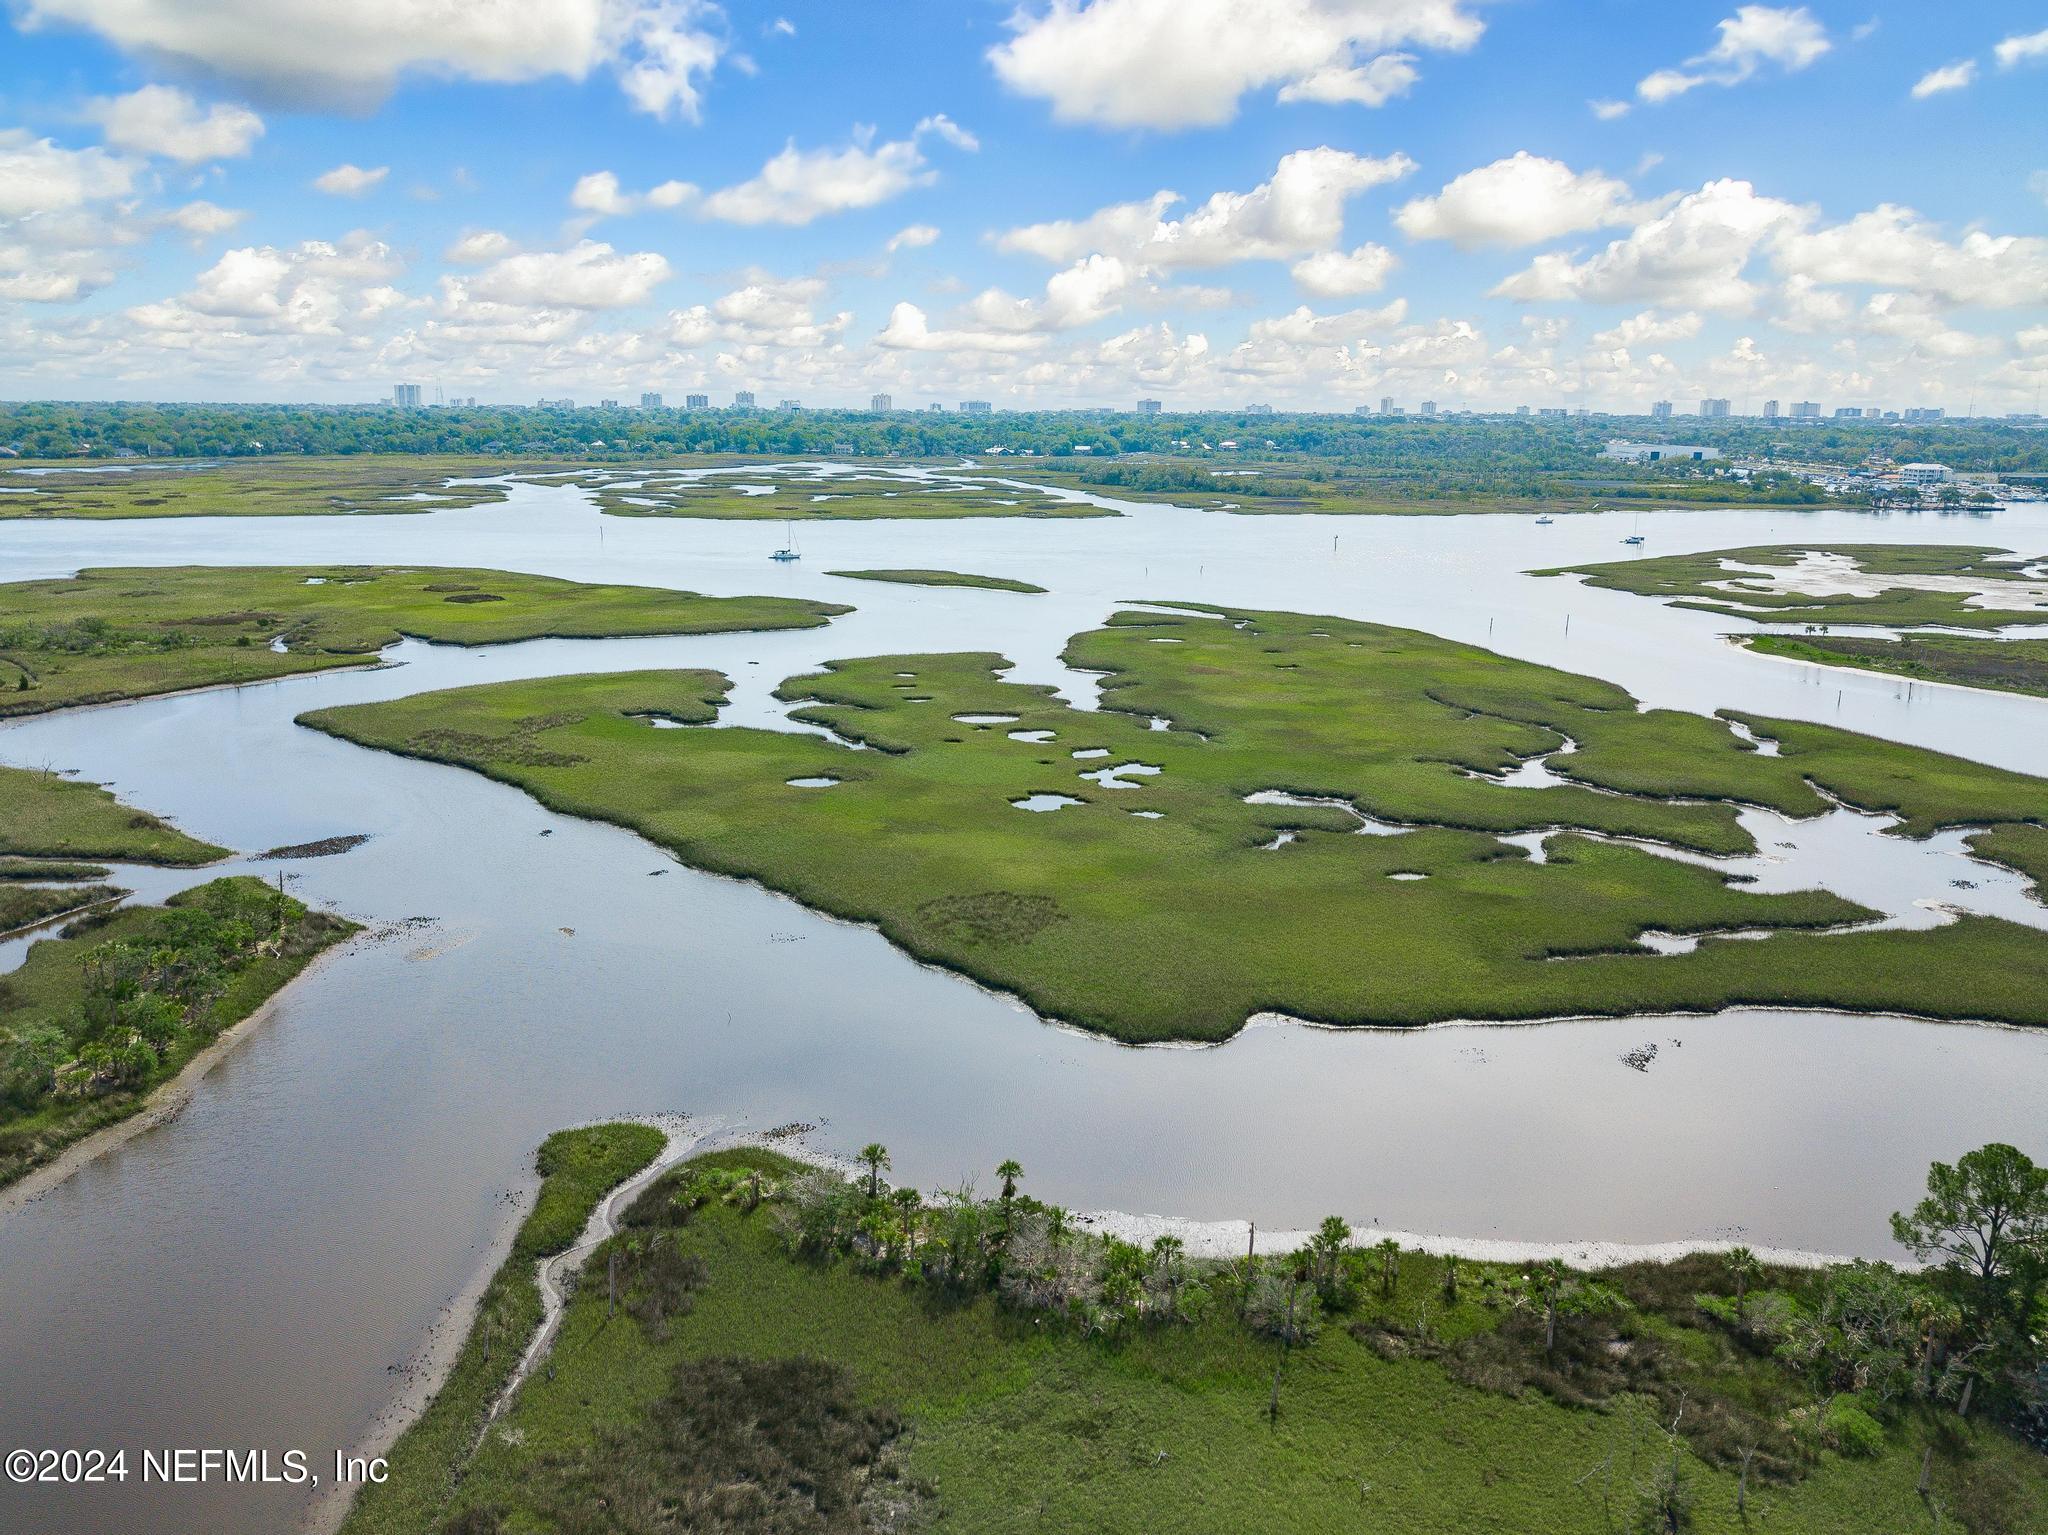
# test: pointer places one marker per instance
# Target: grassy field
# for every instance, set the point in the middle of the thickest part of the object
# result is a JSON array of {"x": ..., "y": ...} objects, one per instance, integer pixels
[
  {"x": 577, "y": 1168},
  {"x": 96, "y": 1019},
  {"x": 45, "y": 815},
  {"x": 2010, "y": 666},
  {"x": 125, "y": 633},
  {"x": 743, "y": 1389},
  {"x": 1701, "y": 581},
  {"x": 803, "y": 496},
  {"x": 30, "y": 905},
  {"x": 1165, "y": 906},
  {"x": 265, "y": 487},
  {"x": 938, "y": 578},
  {"x": 1696, "y": 581}
]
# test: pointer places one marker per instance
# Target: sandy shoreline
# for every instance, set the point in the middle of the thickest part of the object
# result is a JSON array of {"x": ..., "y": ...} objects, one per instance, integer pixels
[{"x": 160, "y": 1108}]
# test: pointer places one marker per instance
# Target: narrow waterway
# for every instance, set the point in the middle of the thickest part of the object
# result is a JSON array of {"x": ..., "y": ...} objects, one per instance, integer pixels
[{"x": 259, "y": 1271}]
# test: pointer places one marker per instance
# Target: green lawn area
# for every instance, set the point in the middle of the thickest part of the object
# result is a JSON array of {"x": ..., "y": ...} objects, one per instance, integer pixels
[
  {"x": 1164, "y": 906},
  {"x": 802, "y": 496},
  {"x": 95, "y": 1019},
  {"x": 744, "y": 1387},
  {"x": 116, "y": 633},
  {"x": 264, "y": 487},
  {"x": 45, "y": 815},
  {"x": 938, "y": 578}
]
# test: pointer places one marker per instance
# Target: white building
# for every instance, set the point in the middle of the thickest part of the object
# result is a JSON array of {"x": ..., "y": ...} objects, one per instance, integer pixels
[
  {"x": 696, "y": 402},
  {"x": 1925, "y": 474},
  {"x": 1657, "y": 452},
  {"x": 406, "y": 396},
  {"x": 881, "y": 404},
  {"x": 1714, "y": 408},
  {"x": 1148, "y": 407},
  {"x": 649, "y": 400}
]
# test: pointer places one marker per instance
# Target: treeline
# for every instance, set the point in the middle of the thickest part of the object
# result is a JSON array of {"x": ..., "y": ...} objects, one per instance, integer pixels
[{"x": 1505, "y": 450}]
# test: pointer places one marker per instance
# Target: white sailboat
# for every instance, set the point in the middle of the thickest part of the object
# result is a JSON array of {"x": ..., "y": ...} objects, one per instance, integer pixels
[{"x": 788, "y": 551}]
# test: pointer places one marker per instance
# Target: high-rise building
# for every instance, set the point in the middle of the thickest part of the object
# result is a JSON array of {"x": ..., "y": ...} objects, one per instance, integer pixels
[
  {"x": 1386, "y": 405},
  {"x": 789, "y": 405},
  {"x": 743, "y": 399},
  {"x": 976, "y": 408},
  {"x": 1148, "y": 407},
  {"x": 696, "y": 402},
  {"x": 1848, "y": 412},
  {"x": 1925, "y": 413},
  {"x": 406, "y": 396},
  {"x": 880, "y": 404},
  {"x": 1661, "y": 411},
  {"x": 565, "y": 403},
  {"x": 1805, "y": 410},
  {"x": 1770, "y": 410},
  {"x": 1713, "y": 407},
  {"x": 1258, "y": 410},
  {"x": 650, "y": 400},
  {"x": 607, "y": 404},
  {"x": 1429, "y": 407},
  {"x": 1521, "y": 410}
]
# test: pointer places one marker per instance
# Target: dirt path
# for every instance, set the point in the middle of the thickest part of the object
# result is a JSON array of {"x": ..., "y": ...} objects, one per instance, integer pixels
[{"x": 554, "y": 1275}]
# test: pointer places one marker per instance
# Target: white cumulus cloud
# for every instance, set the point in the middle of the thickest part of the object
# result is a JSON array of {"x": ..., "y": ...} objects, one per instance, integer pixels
[
  {"x": 1788, "y": 36},
  {"x": 660, "y": 51},
  {"x": 2022, "y": 48},
  {"x": 1949, "y": 77},
  {"x": 800, "y": 185},
  {"x": 1339, "y": 274},
  {"x": 1188, "y": 63},
  {"x": 588, "y": 275},
  {"x": 1520, "y": 200},
  {"x": 909, "y": 330},
  {"x": 164, "y": 121},
  {"x": 350, "y": 180}
]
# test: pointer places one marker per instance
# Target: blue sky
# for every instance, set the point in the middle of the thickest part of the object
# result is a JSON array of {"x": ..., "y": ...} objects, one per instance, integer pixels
[{"x": 1550, "y": 202}]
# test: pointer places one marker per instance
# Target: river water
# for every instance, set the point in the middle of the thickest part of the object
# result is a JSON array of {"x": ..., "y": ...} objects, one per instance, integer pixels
[{"x": 259, "y": 1271}]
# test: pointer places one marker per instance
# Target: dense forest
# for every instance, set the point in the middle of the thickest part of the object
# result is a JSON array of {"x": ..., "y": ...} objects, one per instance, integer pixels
[{"x": 1498, "y": 447}]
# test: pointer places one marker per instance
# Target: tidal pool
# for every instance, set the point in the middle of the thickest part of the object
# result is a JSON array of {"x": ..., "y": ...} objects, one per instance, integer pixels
[{"x": 262, "y": 1268}]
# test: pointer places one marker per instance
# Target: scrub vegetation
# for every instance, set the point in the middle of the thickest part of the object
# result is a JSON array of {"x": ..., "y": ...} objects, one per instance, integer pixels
[
  {"x": 1705, "y": 582},
  {"x": 1171, "y": 904},
  {"x": 128, "y": 632},
  {"x": 46, "y": 815},
  {"x": 938, "y": 578},
  {"x": 261, "y": 487},
  {"x": 93, "y": 1020},
  {"x": 770, "y": 1347}
]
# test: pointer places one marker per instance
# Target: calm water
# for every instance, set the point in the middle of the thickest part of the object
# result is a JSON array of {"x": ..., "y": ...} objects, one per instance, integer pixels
[{"x": 252, "y": 1273}]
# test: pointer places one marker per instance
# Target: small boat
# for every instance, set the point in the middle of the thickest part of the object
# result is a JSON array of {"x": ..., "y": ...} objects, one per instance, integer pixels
[
  {"x": 1544, "y": 522},
  {"x": 788, "y": 550},
  {"x": 1633, "y": 538}
]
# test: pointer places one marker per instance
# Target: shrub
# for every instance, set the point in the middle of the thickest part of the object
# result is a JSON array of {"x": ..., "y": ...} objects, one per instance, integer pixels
[{"x": 1852, "y": 1430}]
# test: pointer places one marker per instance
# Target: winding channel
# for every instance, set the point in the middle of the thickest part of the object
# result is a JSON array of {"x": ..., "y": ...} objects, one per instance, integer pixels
[{"x": 263, "y": 1268}]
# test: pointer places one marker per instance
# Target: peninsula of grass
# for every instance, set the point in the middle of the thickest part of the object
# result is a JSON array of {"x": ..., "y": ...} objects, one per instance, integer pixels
[
  {"x": 25, "y": 906},
  {"x": 428, "y": 1464},
  {"x": 1171, "y": 905},
  {"x": 95, "y": 1020},
  {"x": 1735, "y": 583},
  {"x": 938, "y": 578},
  {"x": 781, "y": 493},
  {"x": 46, "y": 815},
  {"x": 117, "y": 633},
  {"x": 786, "y": 1351},
  {"x": 1718, "y": 582},
  {"x": 254, "y": 487},
  {"x": 2009, "y": 666}
]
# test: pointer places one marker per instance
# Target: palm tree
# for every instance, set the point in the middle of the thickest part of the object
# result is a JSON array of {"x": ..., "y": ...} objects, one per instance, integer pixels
[
  {"x": 1550, "y": 1279},
  {"x": 1326, "y": 1247},
  {"x": 1451, "y": 1278},
  {"x": 1390, "y": 1265},
  {"x": 907, "y": 1206},
  {"x": 876, "y": 1155},
  {"x": 1743, "y": 1267},
  {"x": 1010, "y": 1171}
]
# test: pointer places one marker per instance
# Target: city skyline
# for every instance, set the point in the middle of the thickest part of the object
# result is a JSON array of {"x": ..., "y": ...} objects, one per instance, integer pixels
[{"x": 603, "y": 200}]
